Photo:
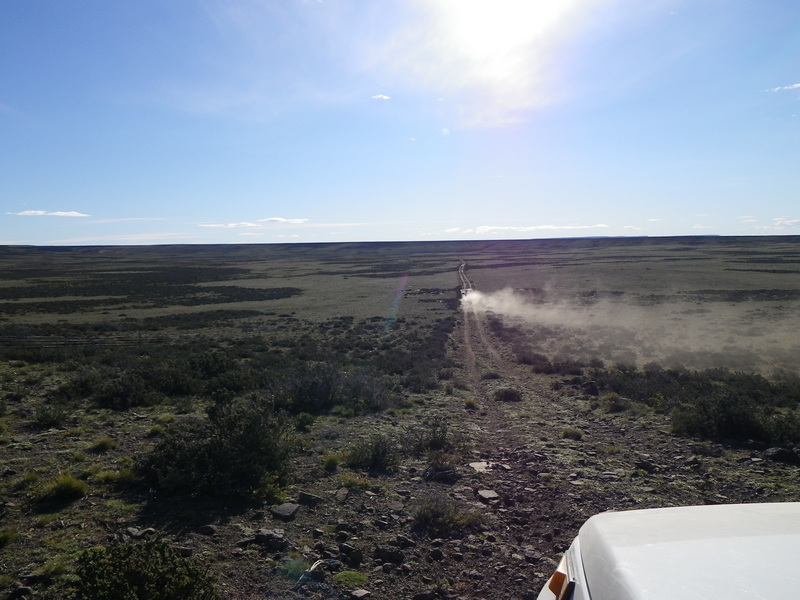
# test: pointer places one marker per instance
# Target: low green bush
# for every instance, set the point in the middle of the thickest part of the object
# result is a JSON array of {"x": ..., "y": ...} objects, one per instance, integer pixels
[
  {"x": 350, "y": 579},
  {"x": 379, "y": 452},
  {"x": 7, "y": 536},
  {"x": 104, "y": 444},
  {"x": 63, "y": 490},
  {"x": 152, "y": 570},
  {"x": 433, "y": 435},
  {"x": 507, "y": 395},
  {"x": 440, "y": 517},
  {"x": 241, "y": 450}
]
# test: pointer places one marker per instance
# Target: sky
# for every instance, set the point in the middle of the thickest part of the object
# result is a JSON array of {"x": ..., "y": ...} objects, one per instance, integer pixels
[{"x": 272, "y": 121}]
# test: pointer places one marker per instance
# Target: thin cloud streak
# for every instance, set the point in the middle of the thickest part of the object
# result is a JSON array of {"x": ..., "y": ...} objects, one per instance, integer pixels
[
  {"x": 794, "y": 86},
  {"x": 135, "y": 238},
  {"x": 44, "y": 213},
  {"x": 483, "y": 229},
  {"x": 282, "y": 220}
]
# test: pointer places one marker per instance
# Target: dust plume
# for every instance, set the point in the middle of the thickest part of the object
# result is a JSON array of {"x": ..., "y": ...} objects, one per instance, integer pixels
[{"x": 673, "y": 330}]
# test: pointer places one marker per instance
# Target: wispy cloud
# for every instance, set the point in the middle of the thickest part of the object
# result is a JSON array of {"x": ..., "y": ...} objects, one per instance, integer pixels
[
  {"x": 484, "y": 229},
  {"x": 702, "y": 227},
  {"x": 784, "y": 88},
  {"x": 261, "y": 225},
  {"x": 523, "y": 229},
  {"x": 381, "y": 97},
  {"x": 783, "y": 222},
  {"x": 282, "y": 220},
  {"x": 632, "y": 228},
  {"x": 132, "y": 238},
  {"x": 127, "y": 220},
  {"x": 44, "y": 213},
  {"x": 229, "y": 225}
]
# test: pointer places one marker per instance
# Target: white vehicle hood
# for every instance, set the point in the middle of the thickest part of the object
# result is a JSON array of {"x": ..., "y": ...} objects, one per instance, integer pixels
[{"x": 730, "y": 552}]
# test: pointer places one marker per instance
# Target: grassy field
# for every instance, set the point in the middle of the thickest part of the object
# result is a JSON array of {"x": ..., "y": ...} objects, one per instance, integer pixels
[{"x": 117, "y": 364}]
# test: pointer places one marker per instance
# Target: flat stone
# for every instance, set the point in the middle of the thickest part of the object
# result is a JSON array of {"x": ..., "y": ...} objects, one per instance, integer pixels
[
  {"x": 307, "y": 499},
  {"x": 274, "y": 539},
  {"x": 488, "y": 496},
  {"x": 389, "y": 555},
  {"x": 480, "y": 466},
  {"x": 360, "y": 594},
  {"x": 285, "y": 512}
]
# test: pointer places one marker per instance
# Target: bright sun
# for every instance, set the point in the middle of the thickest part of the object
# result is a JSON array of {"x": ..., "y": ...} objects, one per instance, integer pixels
[{"x": 501, "y": 37}]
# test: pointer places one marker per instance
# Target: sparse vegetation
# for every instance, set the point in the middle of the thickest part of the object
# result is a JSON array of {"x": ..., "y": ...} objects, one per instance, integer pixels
[{"x": 118, "y": 374}]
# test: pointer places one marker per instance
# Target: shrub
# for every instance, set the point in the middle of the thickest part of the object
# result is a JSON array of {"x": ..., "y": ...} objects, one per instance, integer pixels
[
  {"x": 63, "y": 490},
  {"x": 434, "y": 435},
  {"x": 7, "y": 536},
  {"x": 241, "y": 450},
  {"x": 331, "y": 462},
  {"x": 149, "y": 571},
  {"x": 439, "y": 516},
  {"x": 104, "y": 444},
  {"x": 350, "y": 579},
  {"x": 614, "y": 403},
  {"x": 572, "y": 434},
  {"x": 720, "y": 416},
  {"x": 50, "y": 414},
  {"x": 353, "y": 481},
  {"x": 303, "y": 422},
  {"x": 507, "y": 395},
  {"x": 378, "y": 453}
]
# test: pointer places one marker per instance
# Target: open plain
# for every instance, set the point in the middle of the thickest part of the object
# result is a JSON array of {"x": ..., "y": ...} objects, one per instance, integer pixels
[{"x": 430, "y": 420}]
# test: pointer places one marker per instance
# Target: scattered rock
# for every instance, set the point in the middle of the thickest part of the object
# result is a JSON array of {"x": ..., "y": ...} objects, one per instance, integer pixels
[
  {"x": 207, "y": 530},
  {"x": 273, "y": 539},
  {"x": 139, "y": 533},
  {"x": 286, "y": 511},
  {"x": 307, "y": 499},
  {"x": 488, "y": 496},
  {"x": 360, "y": 594},
  {"x": 387, "y": 554}
]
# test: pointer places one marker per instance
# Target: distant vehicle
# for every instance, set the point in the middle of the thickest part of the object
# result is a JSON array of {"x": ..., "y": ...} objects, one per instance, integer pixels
[{"x": 729, "y": 551}]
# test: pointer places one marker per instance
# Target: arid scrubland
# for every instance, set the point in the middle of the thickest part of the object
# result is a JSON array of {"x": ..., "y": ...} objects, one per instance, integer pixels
[{"x": 232, "y": 414}]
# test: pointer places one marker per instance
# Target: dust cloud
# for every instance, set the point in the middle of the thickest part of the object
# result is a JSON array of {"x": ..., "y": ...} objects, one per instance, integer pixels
[{"x": 676, "y": 332}]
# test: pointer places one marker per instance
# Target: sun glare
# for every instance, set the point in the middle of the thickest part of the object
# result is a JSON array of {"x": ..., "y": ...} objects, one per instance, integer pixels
[
  {"x": 503, "y": 35},
  {"x": 501, "y": 50}
]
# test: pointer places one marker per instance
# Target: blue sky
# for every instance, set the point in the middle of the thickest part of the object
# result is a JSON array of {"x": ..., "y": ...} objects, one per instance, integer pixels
[{"x": 260, "y": 121}]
